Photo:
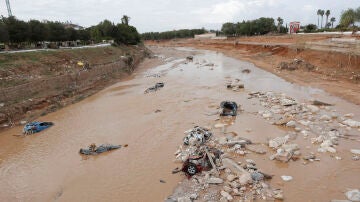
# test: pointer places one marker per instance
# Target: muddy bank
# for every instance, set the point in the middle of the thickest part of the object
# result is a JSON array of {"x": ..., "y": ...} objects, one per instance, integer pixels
[
  {"x": 46, "y": 166},
  {"x": 34, "y": 84},
  {"x": 336, "y": 72}
]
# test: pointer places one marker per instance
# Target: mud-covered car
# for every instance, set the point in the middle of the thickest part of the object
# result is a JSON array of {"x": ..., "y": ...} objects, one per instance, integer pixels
[
  {"x": 35, "y": 127},
  {"x": 155, "y": 88},
  {"x": 94, "y": 150}
]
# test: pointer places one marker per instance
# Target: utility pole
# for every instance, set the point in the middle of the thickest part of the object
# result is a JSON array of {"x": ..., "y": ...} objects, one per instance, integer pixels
[{"x": 8, "y": 8}]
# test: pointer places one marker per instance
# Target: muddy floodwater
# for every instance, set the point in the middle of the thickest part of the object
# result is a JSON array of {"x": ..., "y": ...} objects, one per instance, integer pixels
[{"x": 47, "y": 166}]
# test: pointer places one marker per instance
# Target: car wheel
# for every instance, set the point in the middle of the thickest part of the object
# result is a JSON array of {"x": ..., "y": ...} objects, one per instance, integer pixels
[{"x": 191, "y": 169}]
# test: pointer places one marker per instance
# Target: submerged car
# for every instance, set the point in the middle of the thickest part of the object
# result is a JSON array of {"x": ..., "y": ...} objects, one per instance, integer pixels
[
  {"x": 229, "y": 108},
  {"x": 155, "y": 88},
  {"x": 94, "y": 150},
  {"x": 35, "y": 127}
]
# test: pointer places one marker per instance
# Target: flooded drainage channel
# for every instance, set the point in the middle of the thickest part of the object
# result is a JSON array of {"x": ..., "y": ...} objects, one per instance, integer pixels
[{"x": 308, "y": 150}]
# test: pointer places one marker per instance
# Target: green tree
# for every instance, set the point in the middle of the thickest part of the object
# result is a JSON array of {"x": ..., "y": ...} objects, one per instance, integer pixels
[
  {"x": 71, "y": 34},
  {"x": 18, "y": 30},
  {"x": 4, "y": 34},
  {"x": 332, "y": 20},
  {"x": 38, "y": 31},
  {"x": 280, "y": 23},
  {"x": 106, "y": 28},
  {"x": 327, "y": 13},
  {"x": 228, "y": 29},
  {"x": 322, "y": 12},
  {"x": 125, "y": 20},
  {"x": 56, "y": 31},
  {"x": 318, "y": 14},
  {"x": 348, "y": 18},
  {"x": 310, "y": 28}
]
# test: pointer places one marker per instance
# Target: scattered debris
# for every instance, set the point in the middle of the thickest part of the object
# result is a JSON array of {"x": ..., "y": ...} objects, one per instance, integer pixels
[
  {"x": 246, "y": 71},
  {"x": 154, "y": 88},
  {"x": 94, "y": 150},
  {"x": 320, "y": 103},
  {"x": 35, "y": 127},
  {"x": 190, "y": 58},
  {"x": 296, "y": 64},
  {"x": 286, "y": 178},
  {"x": 235, "y": 85},
  {"x": 196, "y": 136}
]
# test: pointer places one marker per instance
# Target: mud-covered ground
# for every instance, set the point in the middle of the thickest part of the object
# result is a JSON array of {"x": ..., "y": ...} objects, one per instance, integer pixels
[
  {"x": 336, "y": 71},
  {"x": 46, "y": 166}
]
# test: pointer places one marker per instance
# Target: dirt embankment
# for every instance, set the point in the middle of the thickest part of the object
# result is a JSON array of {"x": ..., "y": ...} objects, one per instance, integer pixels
[
  {"x": 36, "y": 83},
  {"x": 336, "y": 65}
]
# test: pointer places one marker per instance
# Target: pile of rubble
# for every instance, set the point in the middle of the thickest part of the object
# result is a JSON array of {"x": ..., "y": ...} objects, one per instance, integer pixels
[
  {"x": 317, "y": 121},
  {"x": 213, "y": 175},
  {"x": 296, "y": 64}
]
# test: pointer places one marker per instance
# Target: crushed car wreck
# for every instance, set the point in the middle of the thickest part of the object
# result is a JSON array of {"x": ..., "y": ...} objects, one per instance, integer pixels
[{"x": 197, "y": 135}]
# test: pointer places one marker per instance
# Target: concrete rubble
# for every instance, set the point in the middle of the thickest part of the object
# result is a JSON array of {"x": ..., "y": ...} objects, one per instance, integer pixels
[{"x": 225, "y": 179}]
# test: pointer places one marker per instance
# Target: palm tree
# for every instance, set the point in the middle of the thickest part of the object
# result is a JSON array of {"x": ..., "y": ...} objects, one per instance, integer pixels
[
  {"x": 322, "y": 12},
  {"x": 327, "y": 17},
  {"x": 318, "y": 14},
  {"x": 125, "y": 20},
  {"x": 332, "y": 20},
  {"x": 280, "y": 22}
]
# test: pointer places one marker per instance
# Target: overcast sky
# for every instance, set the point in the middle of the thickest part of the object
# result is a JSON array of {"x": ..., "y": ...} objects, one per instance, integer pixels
[{"x": 162, "y": 15}]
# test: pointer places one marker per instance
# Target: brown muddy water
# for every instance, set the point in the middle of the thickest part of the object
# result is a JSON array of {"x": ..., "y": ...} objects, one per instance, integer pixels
[{"x": 47, "y": 167}]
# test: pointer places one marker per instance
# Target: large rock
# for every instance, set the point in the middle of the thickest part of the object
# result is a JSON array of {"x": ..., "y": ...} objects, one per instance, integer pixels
[
  {"x": 184, "y": 199},
  {"x": 226, "y": 195},
  {"x": 215, "y": 180},
  {"x": 352, "y": 123},
  {"x": 231, "y": 177},
  {"x": 278, "y": 141},
  {"x": 245, "y": 178},
  {"x": 353, "y": 195},
  {"x": 287, "y": 102},
  {"x": 313, "y": 108},
  {"x": 291, "y": 124},
  {"x": 234, "y": 167},
  {"x": 355, "y": 151}
]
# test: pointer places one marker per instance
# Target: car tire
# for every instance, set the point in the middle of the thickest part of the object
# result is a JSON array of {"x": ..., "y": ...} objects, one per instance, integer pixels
[{"x": 191, "y": 169}]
